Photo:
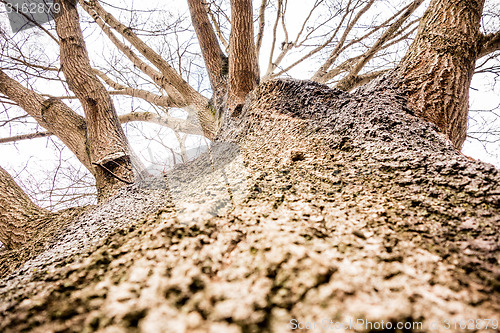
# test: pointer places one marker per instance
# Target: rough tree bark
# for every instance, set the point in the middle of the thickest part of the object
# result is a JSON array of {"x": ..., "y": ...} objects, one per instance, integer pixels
[
  {"x": 53, "y": 115},
  {"x": 20, "y": 218},
  {"x": 108, "y": 146},
  {"x": 18, "y": 214},
  {"x": 215, "y": 59},
  {"x": 97, "y": 140},
  {"x": 243, "y": 67},
  {"x": 355, "y": 209},
  {"x": 439, "y": 65}
]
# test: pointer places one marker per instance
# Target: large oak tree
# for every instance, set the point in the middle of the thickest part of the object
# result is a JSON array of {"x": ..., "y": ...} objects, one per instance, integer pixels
[{"x": 359, "y": 203}]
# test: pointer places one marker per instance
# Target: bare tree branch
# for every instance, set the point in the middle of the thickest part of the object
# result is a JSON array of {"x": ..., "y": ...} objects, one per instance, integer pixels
[
  {"x": 106, "y": 137},
  {"x": 489, "y": 43},
  {"x": 178, "y": 125},
  {"x": 51, "y": 114},
  {"x": 134, "y": 92},
  {"x": 262, "y": 24},
  {"x": 271, "y": 75},
  {"x": 156, "y": 76},
  {"x": 336, "y": 51},
  {"x": 25, "y": 137},
  {"x": 212, "y": 54},
  {"x": 186, "y": 92},
  {"x": 348, "y": 64},
  {"x": 362, "y": 79},
  {"x": 275, "y": 32},
  {"x": 347, "y": 82},
  {"x": 218, "y": 29}
]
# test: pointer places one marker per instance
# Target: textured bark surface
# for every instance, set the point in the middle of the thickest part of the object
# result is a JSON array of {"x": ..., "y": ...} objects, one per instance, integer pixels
[
  {"x": 215, "y": 60},
  {"x": 243, "y": 67},
  {"x": 356, "y": 208},
  {"x": 53, "y": 115},
  {"x": 109, "y": 148},
  {"x": 439, "y": 65},
  {"x": 18, "y": 214},
  {"x": 490, "y": 43}
]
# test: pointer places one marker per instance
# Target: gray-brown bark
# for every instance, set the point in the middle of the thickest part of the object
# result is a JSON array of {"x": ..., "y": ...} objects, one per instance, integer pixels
[
  {"x": 355, "y": 209},
  {"x": 489, "y": 43},
  {"x": 215, "y": 60},
  {"x": 108, "y": 146},
  {"x": 243, "y": 67},
  {"x": 53, "y": 115},
  {"x": 439, "y": 65},
  {"x": 18, "y": 214}
]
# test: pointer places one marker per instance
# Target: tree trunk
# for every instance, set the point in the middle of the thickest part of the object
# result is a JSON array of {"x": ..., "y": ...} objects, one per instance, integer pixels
[
  {"x": 214, "y": 58},
  {"x": 18, "y": 214},
  {"x": 354, "y": 210},
  {"x": 243, "y": 67},
  {"x": 439, "y": 65},
  {"x": 109, "y": 148}
]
